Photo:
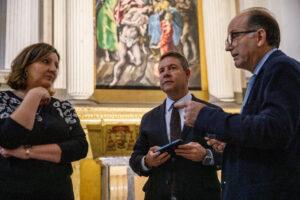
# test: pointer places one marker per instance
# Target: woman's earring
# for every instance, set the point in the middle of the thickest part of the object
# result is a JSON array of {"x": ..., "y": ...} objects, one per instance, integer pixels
[{"x": 25, "y": 74}]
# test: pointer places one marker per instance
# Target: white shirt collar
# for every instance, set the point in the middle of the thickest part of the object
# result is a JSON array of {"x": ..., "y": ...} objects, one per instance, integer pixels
[
  {"x": 169, "y": 102},
  {"x": 263, "y": 60}
]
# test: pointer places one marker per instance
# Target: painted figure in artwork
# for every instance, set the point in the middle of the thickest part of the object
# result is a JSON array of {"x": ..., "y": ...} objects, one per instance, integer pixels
[
  {"x": 123, "y": 6},
  {"x": 187, "y": 10},
  {"x": 171, "y": 21},
  {"x": 166, "y": 42},
  {"x": 107, "y": 28},
  {"x": 131, "y": 35},
  {"x": 109, "y": 16},
  {"x": 134, "y": 25}
]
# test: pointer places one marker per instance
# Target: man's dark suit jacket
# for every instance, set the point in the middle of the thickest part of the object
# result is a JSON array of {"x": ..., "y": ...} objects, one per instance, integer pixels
[
  {"x": 262, "y": 158},
  {"x": 194, "y": 181}
]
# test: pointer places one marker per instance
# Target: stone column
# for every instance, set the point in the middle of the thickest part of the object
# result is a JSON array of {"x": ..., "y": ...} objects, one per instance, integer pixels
[
  {"x": 237, "y": 74},
  {"x": 47, "y": 25},
  {"x": 287, "y": 14},
  {"x": 217, "y": 14},
  {"x": 80, "y": 57},
  {"x": 59, "y": 41},
  {"x": 2, "y": 33},
  {"x": 22, "y": 27}
]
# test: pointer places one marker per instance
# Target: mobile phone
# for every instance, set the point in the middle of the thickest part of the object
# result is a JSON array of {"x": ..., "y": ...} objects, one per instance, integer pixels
[{"x": 169, "y": 147}]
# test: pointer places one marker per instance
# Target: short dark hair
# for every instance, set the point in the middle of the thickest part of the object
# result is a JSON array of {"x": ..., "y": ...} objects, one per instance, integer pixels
[
  {"x": 184, "y": 63},
  {"x": 262, "y": 18},
  {"x": 33, "y": 53}
]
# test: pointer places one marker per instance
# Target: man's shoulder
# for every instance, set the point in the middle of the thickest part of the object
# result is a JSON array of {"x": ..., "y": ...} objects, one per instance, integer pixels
[
  {"x": 279, "y": 61},
  {"x": 280, "y": 57},
  {"x": 155, "y": 111}
]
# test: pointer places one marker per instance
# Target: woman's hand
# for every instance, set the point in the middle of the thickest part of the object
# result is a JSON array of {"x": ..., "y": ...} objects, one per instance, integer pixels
[
  {"x": 25, "y": 114},
  {"x": 4, "y": 153},
  {"x": 42, "y": 93},
  {"x": 47, "y": 152},
  {"x": 19, "y": 152}
]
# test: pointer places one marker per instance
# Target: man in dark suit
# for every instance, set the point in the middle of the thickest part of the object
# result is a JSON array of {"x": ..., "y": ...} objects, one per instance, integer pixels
[
  {"x": 191, "y": 173},
  {"x": 261, "y": 159}
]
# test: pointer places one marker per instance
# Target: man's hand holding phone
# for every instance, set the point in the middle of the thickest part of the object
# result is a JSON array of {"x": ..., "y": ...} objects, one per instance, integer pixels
[
  {"x": 156, "y": 159},
  {"x": 192, "y": 151}
]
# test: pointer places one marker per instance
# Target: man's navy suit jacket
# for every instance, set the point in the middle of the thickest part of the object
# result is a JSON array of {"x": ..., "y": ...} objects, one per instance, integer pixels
[
  {"x": 262, "y": 158},
  {"x": 194, "y": 181}
]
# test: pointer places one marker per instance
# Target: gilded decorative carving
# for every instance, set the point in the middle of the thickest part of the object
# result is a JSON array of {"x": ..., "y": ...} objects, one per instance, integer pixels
[
  {"x": 112, "y": 131},
  {"x": 119, "y": 139}
]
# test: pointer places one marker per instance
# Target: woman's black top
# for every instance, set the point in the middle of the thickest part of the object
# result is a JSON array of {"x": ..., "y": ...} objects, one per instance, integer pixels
[{"x": 56, "y": 123}]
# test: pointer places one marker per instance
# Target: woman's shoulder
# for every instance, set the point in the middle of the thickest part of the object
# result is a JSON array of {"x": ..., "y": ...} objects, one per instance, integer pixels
[
  {"x": 65, "y": 110},
  {"x": 8, "y": 103},
  {"x": 57, "y": 103},
  {"x": 64, "y": 107},
  {"x": 6, "y": 93},
  {"x": 8, "y": 97}
]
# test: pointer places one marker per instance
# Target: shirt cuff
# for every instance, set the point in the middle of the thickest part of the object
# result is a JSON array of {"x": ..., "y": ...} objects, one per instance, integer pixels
[
  {"x": 144, "y": 167},
  {"x": 209, "y": 158}
]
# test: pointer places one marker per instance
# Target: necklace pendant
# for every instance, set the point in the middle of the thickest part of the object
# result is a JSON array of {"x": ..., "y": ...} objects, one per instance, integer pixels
[{"x": 39, "y": 118}]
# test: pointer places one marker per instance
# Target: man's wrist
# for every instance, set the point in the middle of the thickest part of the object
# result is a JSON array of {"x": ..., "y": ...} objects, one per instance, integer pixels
[
  {"x": 145, "y": 162},
  {"x": 208, "y": 159}
]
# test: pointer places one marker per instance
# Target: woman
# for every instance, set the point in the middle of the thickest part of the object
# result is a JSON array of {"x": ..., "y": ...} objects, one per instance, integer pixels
[{"x": 39, "y": 135}]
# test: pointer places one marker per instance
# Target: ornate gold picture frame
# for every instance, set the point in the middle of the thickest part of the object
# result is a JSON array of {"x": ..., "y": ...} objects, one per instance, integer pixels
[{"x": 130, "y": 36}]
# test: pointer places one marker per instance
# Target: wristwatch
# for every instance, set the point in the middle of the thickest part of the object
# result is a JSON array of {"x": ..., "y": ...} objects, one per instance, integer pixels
[
  {"x": 208, "y": 159},
  {"x": 27, "y": 150}
]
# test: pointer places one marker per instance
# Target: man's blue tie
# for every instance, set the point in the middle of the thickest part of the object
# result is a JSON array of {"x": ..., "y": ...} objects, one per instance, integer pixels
[{"x": 249, "y": 87}]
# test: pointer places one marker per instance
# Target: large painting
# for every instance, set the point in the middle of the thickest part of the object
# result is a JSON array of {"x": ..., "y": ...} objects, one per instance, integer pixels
[{"x": 131, "y": 35}]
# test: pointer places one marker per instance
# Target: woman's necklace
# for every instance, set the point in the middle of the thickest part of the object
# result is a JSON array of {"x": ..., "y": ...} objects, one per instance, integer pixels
[{"x": 38, "y": 116}]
